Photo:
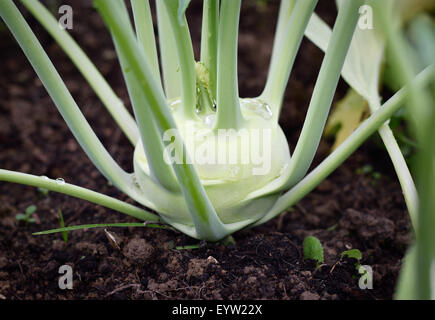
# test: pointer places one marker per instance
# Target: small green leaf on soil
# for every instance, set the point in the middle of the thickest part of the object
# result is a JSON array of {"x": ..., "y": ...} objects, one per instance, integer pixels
[
  {"x": 313, "y": 249},
  {"x": 30, "y": 210},
  {"x": 353, "y": 253}
]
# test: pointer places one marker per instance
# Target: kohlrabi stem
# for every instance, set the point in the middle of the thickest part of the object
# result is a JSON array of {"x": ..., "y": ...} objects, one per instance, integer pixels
[
  {"x": 336, "y": 158},
  {"x": 286, "y": 46},
  {"x": 207, "y": 224},
  {"x": 113, "y": 104},
  {"x": 150, "y": 135},
  {"x": 143, "y": 22},
  {"x": 405, "y": 179},
  {"x": 285, "y": 12},
  {"x": 422, "y": 118},
  {"x": 186, "y": 59},
  {"x": 63, "y": 99},
  {"x": 319, "y": 32},
  {"x": 209, "y": 41},
  {"x": 168, "y": 53},
  {"x": 77, "y": 192},
  {"x": 324, "y": 91},
  {"x": 229, "y": 115}
]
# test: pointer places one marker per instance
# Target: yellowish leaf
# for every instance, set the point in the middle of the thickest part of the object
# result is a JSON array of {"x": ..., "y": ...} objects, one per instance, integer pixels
[{"x": 346, "y": 116}]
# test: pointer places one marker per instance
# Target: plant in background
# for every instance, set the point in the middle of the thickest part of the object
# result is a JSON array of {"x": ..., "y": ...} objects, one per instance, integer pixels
[
  {"x": 362, "y": 71},
  {"x": 417, "y": 278},
  {"x": 181, "y": 110}
]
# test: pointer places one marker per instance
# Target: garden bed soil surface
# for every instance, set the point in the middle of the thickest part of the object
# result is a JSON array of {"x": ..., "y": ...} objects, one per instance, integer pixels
[{"x": 348, "y": 210}]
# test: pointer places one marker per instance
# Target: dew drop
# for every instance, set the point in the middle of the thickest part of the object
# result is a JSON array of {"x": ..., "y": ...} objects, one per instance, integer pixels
[
  {"x": 258, "y": 107},
  {"x": 60, "y": 181},
  {"x": 45, "y": 177},
  {"x": 210, "y": 120},
  {"x": 267, "y": 111},
  {"x": 174, "y": 104}
]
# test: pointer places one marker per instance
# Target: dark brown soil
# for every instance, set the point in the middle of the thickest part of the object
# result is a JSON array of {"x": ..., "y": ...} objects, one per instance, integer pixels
[{"x": 348, "y": 210}]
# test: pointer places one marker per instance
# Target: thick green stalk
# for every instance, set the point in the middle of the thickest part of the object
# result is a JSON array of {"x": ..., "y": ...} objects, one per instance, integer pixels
[
  {"x": 319, "y": 32},
  {"x": 186, "y": 59},
  {"x": 285, "y": 12},
  {"x": 150, "y": 135},
  {"x": 168, "y": 53},
  {"x": 291, "y": 29},
  {"x": 77, "y": 192},
  {"x": 143, "y": 22},
  {"x": 327, "y": 166},
  {"x": 324, "y": 91},
  {"x": 400, "y": 166},
  {"x": 229, "y": 115},
  {"x": 207, "y": 224},
  {"x": 63, "y": 99},
  {"x": 113, "y": 104},
  {"x": 209, "y": 41}
]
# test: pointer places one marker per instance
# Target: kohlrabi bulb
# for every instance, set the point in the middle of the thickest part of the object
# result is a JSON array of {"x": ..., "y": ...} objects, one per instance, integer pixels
[{"x": 232, "y": 164}]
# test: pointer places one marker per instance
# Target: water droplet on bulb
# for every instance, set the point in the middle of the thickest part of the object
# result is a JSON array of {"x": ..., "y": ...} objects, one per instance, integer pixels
[
  {"x": 174, "y": 104},
  {"x": 267, "y": 111},
  {"x": 210, "y": 120},
  {"x": 259, "y": 107},
  {"x": 60, "y": 181}
]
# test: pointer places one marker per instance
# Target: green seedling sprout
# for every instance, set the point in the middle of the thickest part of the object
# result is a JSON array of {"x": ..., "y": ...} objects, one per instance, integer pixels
[
  {"x": 313, "y": 250},
  {"x": 62, "y": 226},
  {"x": 368, "y": 170},
  {"x": 352, "y": 254},
  {"x": 27, "y": 216}
]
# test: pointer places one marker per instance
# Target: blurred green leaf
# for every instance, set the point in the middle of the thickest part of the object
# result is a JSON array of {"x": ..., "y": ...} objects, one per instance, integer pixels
[
  {"x": 352, "y": 253},
  {"x": 313, "y": 249}
]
